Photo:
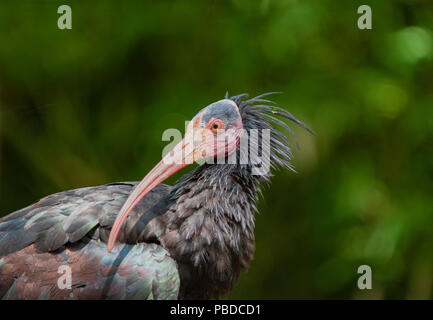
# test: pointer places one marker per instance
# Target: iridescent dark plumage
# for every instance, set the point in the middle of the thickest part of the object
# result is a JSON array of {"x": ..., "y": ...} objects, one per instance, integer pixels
[{"x": 191, "y": 240}]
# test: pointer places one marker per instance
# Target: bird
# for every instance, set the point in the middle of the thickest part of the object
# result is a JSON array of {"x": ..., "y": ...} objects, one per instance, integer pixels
[{"x": 148, "y": 240}]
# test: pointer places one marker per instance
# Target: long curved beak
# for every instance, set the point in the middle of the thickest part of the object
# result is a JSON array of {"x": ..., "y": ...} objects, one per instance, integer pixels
[{"x": 178, "y": 158}]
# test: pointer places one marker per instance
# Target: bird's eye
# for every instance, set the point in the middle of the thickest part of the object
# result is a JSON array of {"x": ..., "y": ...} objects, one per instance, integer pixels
[{"x": 216, "y": 125}]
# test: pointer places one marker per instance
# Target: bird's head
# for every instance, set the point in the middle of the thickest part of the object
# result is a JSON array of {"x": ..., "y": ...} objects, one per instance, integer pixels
[{"x": 213, "y": 133}]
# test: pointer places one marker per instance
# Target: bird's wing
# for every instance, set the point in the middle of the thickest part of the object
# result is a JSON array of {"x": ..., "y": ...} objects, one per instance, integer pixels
[
  {"x": 89, "y": 271},
  {"x": 69, "y": 216}
]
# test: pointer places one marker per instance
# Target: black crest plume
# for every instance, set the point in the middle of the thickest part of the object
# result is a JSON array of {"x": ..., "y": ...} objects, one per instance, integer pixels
[{"x": 260, "y": 113}]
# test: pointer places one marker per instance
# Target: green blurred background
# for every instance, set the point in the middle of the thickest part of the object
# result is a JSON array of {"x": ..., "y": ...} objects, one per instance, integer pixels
[{"x": 88, "y": 106}]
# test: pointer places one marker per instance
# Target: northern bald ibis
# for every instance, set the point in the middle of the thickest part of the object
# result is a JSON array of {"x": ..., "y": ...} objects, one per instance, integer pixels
[{"x": 148, "y": 240}]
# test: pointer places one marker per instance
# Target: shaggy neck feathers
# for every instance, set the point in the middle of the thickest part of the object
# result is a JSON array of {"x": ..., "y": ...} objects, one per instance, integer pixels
[{"x": 210, "y": 227}]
